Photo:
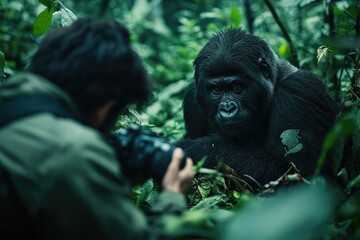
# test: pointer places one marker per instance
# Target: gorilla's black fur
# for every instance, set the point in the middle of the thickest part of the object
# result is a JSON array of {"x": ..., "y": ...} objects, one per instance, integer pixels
[{"x": 243, "y": 97}]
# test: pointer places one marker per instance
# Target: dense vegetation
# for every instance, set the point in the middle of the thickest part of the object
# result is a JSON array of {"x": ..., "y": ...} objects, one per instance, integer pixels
[{"x": 318, "y": 35}]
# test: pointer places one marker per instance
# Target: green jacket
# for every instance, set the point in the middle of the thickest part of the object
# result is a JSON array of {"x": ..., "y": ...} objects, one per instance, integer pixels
[{"x": 59, "y": 179}]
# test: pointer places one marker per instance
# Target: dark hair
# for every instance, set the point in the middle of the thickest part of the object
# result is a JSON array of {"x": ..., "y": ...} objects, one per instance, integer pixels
[{"x": 92, "y": 60}]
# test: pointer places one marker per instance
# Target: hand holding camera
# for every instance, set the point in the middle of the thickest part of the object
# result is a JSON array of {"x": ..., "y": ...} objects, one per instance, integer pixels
[
  {"x": 141, "y": 152},
  {"x": 175, "y": 179}
]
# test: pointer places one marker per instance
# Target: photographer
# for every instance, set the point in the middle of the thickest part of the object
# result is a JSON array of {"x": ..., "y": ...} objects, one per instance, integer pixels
[{"x": 59, "y": 177}]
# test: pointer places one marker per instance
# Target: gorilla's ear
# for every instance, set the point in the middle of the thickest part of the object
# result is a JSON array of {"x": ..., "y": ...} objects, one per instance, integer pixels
[{"x": 265, "y": 68}]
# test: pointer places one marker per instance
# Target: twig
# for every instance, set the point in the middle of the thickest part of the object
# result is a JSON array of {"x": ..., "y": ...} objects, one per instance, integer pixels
[
  {"x": 293, "y": 167},
  {"x": 285, "y": 33},
  {"x": 254, "y": 180},
  {"x": 216, "y": 173}
]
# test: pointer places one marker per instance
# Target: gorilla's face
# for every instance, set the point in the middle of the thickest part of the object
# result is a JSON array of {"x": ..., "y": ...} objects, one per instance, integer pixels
[
  {"x": 235, "y": 76},
  {"x": 237, "y": 105},
  {"x": 226, "y": 96}
]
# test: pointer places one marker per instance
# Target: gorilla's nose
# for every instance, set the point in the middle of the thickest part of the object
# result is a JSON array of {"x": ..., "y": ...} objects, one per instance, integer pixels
[{"x": 228, "y": 109}]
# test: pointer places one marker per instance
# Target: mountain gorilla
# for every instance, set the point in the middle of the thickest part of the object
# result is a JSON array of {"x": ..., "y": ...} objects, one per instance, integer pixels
[{"x": 242, "y": 98}]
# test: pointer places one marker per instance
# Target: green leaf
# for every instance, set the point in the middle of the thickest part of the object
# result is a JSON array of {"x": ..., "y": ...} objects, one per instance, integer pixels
[
  {"x": 284, "y": 50},
  {"x": 352, "y": 10},
  {"x": 43, "y": 21},
  {"x": 346, "y": 126},
  {"x": 343, "y": 175},
  {"x": 204, "y": 191},
  {"x": 144, "y": 194},
  {"x": 136, "y": 114},
  {"x": 210, "y": 202},
  {"x": 355, "y": 183},
  {"x": 236, "y": 194},
  {"x": 290, "y": 138},
  {"x": 322, "y": 52},
  {"x": 235, "y": 16},
  {"x": 67, "y": 16},
  {"x": 2, "y": 65},
  {"x": 300, "y": 213},
  {"x": 46, "y": 3},
  {"x": 199, "y": 165}
]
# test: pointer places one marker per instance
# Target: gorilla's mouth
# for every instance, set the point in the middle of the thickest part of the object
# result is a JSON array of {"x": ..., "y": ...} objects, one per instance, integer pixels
[
  {"x": 238, "y": 120},
  {"x": 231, "y": 122}
]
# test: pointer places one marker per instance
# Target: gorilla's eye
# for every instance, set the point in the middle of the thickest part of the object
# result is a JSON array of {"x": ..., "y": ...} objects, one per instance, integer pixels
[
  {"x": 238, "y": 88},
  {"x": 216, "y": 90}
]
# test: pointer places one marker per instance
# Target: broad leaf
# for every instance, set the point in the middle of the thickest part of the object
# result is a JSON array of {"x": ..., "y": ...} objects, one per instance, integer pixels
[
  {"x": 322, "y": 52},
  {"x": 144, "y": 194},
  {"x": 67, "y": 16},
  {"x": 210, "y": 202},
  {"x": 235, "y": 16},
  {"x": 43, "y": 21},
  {"x": 346, "y": 126},
  {"x": 290, "y": 138},
  {"x": 296, "y": 214}
]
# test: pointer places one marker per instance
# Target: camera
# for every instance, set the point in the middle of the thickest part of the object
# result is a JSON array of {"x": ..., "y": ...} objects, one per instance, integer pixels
[{"x": 141, "y": 151}]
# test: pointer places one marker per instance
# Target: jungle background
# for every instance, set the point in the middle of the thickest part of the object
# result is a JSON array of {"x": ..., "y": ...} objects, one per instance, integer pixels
[{"x": 322, "y": 36}]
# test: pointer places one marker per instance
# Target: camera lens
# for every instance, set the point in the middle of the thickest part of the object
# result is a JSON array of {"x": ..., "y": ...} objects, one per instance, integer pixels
[
  {"x": 142, "y": 152},
  {"x": 161, "y": 160}
]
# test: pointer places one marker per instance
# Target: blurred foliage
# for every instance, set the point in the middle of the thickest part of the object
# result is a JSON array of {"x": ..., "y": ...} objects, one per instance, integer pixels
[
  {"x": 55, "y": 14},
  {"x": 168, "y": 35},
  {"x": 16, "y": 40},
  {"x": 2, "y": 65}
]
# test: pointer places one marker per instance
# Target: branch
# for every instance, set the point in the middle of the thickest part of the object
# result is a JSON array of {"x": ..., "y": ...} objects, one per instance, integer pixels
[
  {"x": 284, "y": 31},
  {"x": 104, "y": 4},
  {"x": 331, "y": 19},
  {"x": 249, "y": 16},
  {"x": 357, "y": 25}
]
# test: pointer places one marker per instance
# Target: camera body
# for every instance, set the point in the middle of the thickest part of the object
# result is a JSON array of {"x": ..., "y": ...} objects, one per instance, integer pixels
[{"x": 142, "y": 152}]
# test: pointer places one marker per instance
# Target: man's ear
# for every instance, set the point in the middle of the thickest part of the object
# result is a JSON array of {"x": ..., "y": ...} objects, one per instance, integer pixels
[{"x": 99, "y": 117}]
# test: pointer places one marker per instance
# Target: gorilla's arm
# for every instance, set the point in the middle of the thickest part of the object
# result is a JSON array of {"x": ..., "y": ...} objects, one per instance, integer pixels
[
  {"x": 255, "y": 162},
  {"x": 301, "y": 101},
  {"x": 252, "y": 97}
]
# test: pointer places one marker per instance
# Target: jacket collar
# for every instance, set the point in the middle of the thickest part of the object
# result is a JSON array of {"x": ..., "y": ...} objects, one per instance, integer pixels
[{"x": 25, "y": 83}]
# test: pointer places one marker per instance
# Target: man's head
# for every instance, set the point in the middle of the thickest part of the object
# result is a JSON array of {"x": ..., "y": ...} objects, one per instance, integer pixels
[{"x": 92, "y": 61}]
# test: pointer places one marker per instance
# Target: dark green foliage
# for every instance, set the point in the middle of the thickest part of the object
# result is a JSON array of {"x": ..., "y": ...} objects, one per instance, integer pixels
[
  {"x": 168, "y": 36},
  {"x": 16, "y": 39},
  {"x": 55, "y": 13}
]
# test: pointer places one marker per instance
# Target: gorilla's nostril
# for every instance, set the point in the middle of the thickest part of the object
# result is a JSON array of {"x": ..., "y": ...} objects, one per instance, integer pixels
[
  {"x": 231, "y": 108},
  {"x": 228, "y": 109},
  {"x": 232, "y": 104}
]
